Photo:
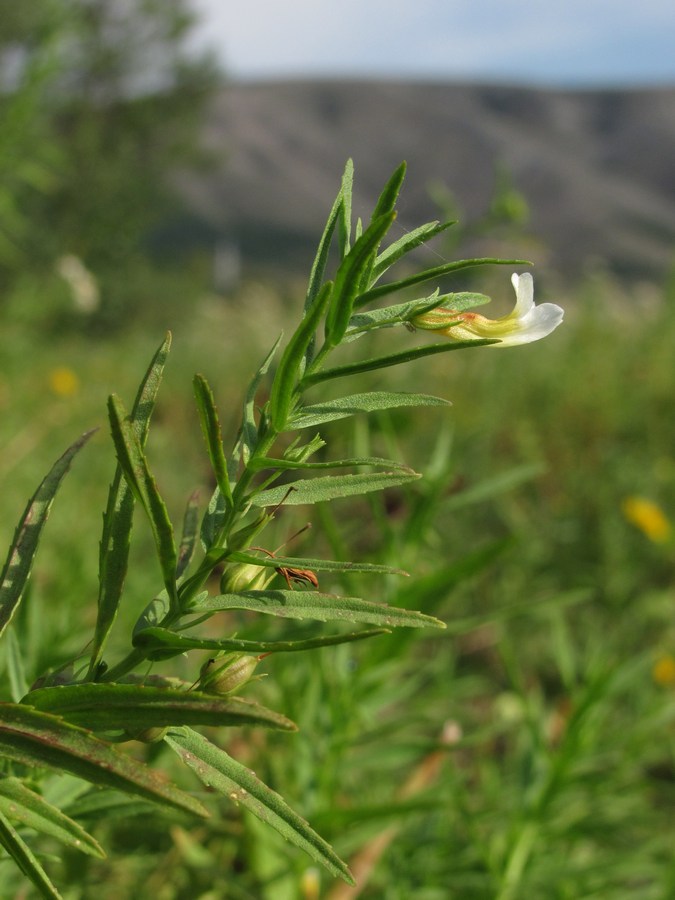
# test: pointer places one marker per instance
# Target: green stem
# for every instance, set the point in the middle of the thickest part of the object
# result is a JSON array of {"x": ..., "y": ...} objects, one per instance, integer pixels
[
  {"x": 239, "y": 501},
  {"x": 124, "y": 666}
]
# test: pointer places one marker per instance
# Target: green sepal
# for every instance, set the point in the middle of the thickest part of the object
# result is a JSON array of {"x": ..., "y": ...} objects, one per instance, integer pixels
[
  {"x": 107, "y": 707},
  {"x": 401, "y": 313},
  {"x": 320, "y": 608},
  {"x": 243, "y": 536},
  {"x": 22, "y": 550},
  {"x": 390, "y": 316},
  {"x": 191, "y": 585},
  {"x": 372, "y": 401},
  {"x": 140, "y": 480},
  {"x": 220, "y": 772}
]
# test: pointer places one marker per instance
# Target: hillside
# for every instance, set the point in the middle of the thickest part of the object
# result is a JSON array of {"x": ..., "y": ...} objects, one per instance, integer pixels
[{"x": 596, "y": 167}]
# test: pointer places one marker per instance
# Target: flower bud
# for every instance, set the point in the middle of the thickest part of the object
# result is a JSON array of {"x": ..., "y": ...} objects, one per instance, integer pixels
[
  {"x": 236, "y": 670},
  {"x": 239, "y": 577}
]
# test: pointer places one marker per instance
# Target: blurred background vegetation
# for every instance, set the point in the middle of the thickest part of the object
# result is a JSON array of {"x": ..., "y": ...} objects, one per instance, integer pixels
[{"x": 541, "y": 533}]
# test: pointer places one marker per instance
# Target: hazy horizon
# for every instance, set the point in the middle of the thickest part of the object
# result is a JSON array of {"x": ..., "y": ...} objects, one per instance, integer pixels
[{"x": 577, "y": 45}]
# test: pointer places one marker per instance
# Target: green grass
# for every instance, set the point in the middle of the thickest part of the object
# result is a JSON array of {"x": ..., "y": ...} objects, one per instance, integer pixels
[{"x": 559, "y": 778}]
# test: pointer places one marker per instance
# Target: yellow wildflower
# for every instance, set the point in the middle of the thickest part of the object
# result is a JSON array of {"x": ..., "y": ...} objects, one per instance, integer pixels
[
  {"x": 310, "y": 884},
  {"x": 64, "y": 382},
  {"x": 524, "y": 324},
  {"x": 663, "y": 671},
  {"x": 648, "y": 517}
]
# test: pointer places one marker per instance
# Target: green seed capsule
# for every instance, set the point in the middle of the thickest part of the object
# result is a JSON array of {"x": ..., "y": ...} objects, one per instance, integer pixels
[
  {"x": 149, "y": 735},
  {"x": 245, "y": 577},
  {"x": 236, "y": 670}
]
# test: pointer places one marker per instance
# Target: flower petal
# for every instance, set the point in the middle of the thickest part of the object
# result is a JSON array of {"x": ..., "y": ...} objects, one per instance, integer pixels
[
  {"x": 534, "y": 325},
  {"x": 524, "y": 288}
]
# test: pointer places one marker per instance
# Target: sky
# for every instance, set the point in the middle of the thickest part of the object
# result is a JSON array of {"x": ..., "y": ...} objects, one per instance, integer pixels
[{"x": 573, "y": 43}]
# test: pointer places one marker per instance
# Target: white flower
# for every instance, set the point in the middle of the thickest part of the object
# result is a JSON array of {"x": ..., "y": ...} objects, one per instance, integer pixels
[{"x": 525, "y": 323}]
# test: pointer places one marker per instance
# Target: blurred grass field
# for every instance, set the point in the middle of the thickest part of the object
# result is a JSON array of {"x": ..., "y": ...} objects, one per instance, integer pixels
[{"x": 554, "y": 685}]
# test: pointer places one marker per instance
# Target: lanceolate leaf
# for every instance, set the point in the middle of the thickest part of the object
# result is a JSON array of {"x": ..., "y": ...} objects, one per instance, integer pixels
[
  {"x": 34, "y": 738},
  {"x": 118, "y": 517},
  {"x": 288, "y": 373},
  {"x": 394, "y": 359},
  {"x": 208, "y": 415},
  {"x": 321, "y": 565},
  {"x": 331, "y": 487},
  {"x": 22, "y": 551},
  {"x": 136, "y": 471},
  {"x": 159, "y": 641},
  {"x": 345, "y": 208},
  {"x": 219, "y": 771},
  {"x": 134, "y": 707},
  {"x": 319, "y": 265},
  {"x": 246, "y": 440},
  {"x": 348, "y": 278},
  {"x": 17, "y": 848},
  {"x": 107, "y": 805},
  {"x": 15, "y": 666},
  {"x": 189, "y": 536},
  {"x": 22, "y": 805},
  {"x": 319, "y": 607},
  {"x": 266, "y": 462},
  {"x": 374, "y": 401},
  {"x": 249, "y": 430},
  {"x": 408, "y": 242},
  {"x": 437, "y": 272},
  {"x": 386, "y": 204}
]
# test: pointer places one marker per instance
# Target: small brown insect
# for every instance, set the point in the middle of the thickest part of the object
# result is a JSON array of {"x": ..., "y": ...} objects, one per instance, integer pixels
[
  {"x": 299, "y": 575},
  {"x": 289, "y": 573}
]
